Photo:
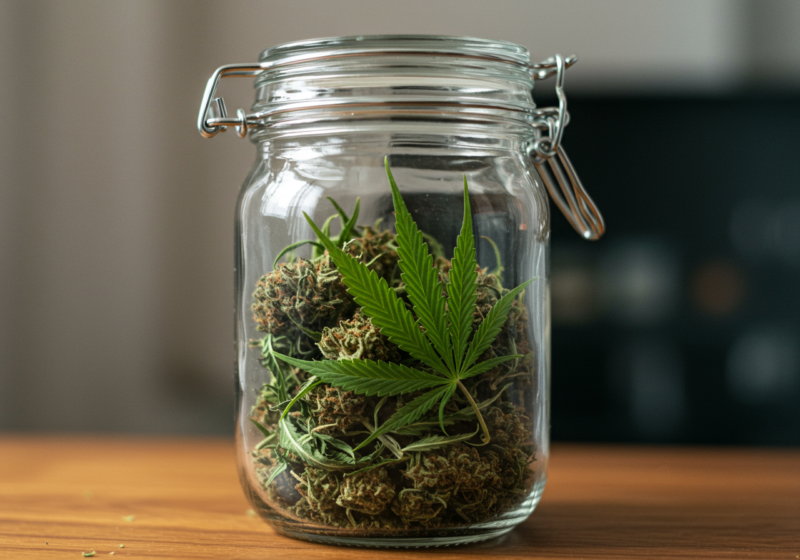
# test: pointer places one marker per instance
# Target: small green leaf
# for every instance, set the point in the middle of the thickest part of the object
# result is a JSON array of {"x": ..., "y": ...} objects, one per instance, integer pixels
[
  {"x": 491, "y": 325},
  {"x": 275, "y": 472},
  {"x": 326, "y": 231},
  {"x": 294, "y": 246},
  {"x": 486, "y": 365},
  {"x": 337, "y": 443},
  {"x": 274, "y": 367},
  {"x": 307, "y": 386},
  {"x": 468, "y": 413},
  {"x": 302, "y": 445},
  {"x": 434, "y": 442},
  {"x": 382, "y": 461},
  {"x": 89, "y": 554},
  {"x": 349, "y": 225},
  {"x": 409, "y": 413},
  {"x": 261, "y": 428},
  {"x": 498, "y": 271},
  {"x": 462, "y": 290},
  {"x": 367, "y": 377},
  {"x": 313, "y": 335},
  {"x": 342, "y": 213}
]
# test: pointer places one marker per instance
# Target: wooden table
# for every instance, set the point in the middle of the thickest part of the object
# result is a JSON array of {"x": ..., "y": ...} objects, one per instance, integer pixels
[{"x": 61, "y": 496}]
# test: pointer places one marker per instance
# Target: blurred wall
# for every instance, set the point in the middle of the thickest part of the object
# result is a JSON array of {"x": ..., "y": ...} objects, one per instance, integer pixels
[{"x": 116, "y": 216}]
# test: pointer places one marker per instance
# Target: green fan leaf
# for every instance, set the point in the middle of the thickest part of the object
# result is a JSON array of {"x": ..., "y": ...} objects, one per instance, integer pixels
[
  {"x": 382, "y": 304},
  {"x": 410, "y": 412},
  {"x": 420, "y": 277},
  {"x": 462, "y": 290},
  {"x": 294, "y": 246},
  {"x": 368, "y": 377},
  {"x": 491, "y": 325}
]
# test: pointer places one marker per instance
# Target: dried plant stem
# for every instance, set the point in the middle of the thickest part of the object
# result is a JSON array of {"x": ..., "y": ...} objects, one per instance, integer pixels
[{"x": 390, "y": 443}]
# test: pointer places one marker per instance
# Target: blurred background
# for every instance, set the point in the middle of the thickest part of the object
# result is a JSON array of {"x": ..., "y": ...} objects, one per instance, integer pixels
[{"x": 116, "y": 218}]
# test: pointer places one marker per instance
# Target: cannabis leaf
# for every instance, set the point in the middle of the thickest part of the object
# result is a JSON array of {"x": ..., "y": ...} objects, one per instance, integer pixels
[{"x": 439, "y": 337}]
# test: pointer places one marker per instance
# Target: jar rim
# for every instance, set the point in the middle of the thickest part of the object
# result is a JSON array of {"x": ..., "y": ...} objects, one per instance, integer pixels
[{"x": 442, "y": 45}]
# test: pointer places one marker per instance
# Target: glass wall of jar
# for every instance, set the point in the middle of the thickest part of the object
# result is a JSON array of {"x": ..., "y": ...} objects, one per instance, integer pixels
[{"x": 393, "y": 343}]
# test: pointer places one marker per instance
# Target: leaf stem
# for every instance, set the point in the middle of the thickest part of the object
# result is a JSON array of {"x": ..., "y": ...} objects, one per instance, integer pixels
[
  {"x": 390, "y": 443},
  {"x": 486, "y": 438}
]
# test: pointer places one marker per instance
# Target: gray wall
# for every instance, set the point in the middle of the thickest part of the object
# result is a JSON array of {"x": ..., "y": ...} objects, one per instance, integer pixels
[{"x": 116, "y": 217}]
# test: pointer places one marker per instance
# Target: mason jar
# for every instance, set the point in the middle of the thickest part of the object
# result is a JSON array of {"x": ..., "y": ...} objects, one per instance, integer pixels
[{"x": 392, "y": 299}]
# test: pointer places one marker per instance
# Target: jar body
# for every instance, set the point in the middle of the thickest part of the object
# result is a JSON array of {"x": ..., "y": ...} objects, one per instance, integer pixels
[{"x": 466, "y": 470}]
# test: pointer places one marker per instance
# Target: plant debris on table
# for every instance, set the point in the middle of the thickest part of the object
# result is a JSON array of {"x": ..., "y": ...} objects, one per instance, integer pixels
[{"x": 388, "y": 405}]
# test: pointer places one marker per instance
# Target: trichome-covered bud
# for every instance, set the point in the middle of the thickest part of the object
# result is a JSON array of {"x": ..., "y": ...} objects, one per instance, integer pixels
[
  {"x": 303, "y": 293},
  {"x": 367, "y": 492},
  {"x": 413, "y": 505},
  {"x": 320, "y": 489},
  {"x": 335, "y": 410},
  {"x": 357, "y": 339},
  {"x": 376, "y": 248},
  {"x": 489, "y": 290}
]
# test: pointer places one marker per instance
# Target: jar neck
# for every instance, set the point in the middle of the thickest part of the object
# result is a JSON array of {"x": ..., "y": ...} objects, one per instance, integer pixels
[
  {"x": 383, "y": 137},
  {"x": 365, "y": 81}
]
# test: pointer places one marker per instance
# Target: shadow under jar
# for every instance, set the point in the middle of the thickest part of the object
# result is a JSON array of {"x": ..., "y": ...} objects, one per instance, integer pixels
[{"x": 392, "y": 343}]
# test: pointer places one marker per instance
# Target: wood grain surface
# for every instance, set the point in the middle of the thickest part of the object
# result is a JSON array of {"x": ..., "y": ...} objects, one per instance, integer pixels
[{"x": 61, "y": 496}]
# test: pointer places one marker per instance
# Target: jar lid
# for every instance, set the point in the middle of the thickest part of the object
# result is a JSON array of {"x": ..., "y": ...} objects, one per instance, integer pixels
[{"x": 467, "y": 47}]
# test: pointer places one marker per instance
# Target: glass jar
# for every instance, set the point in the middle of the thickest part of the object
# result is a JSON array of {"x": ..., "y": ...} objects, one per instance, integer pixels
[{"x": 393, "y": 341}]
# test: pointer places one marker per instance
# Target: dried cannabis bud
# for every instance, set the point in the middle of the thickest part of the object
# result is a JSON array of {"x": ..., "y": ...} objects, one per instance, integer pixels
[
  {"x": 376, "y": 248},
  {"x": 335, "y": 410},
  {"x": 303, "y": 293},
  {"x": 415, "y": 506},
  {"x": 320, "y": 489},
  {"x": 369, "y": 492},
  {"x": 357, "y": 339}
]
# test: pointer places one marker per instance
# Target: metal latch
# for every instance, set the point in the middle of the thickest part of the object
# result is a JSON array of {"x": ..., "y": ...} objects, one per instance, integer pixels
[{"x": 551, "y": 161}]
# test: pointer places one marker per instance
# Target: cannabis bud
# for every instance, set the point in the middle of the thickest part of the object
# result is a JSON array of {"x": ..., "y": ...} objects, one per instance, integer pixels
[
  {"x": 367, "y": 492},
  {"x": 514, "y": 447},
  {"x": 490, "y": 289},
  {"x": 376, "y": 248},
  {"x": 320, "y": 489},
  {"x": 261, "y": 413},
  {"x": 357, "y": 339},
  {"x": 335, "y": 410},
  {"x": 420, "y": 506},
  {"x": 301, "y": 293}
]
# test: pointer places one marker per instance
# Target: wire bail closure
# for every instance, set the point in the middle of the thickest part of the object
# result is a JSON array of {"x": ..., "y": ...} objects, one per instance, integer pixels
[
  {"x": 551, "y": 161},
  {"x": 213, "y": 117}
]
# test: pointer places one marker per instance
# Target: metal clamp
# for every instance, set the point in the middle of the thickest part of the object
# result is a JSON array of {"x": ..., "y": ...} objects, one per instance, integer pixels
[
  {"x": 213, "y": 117},
  {"x": 551, "y": 161}
]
